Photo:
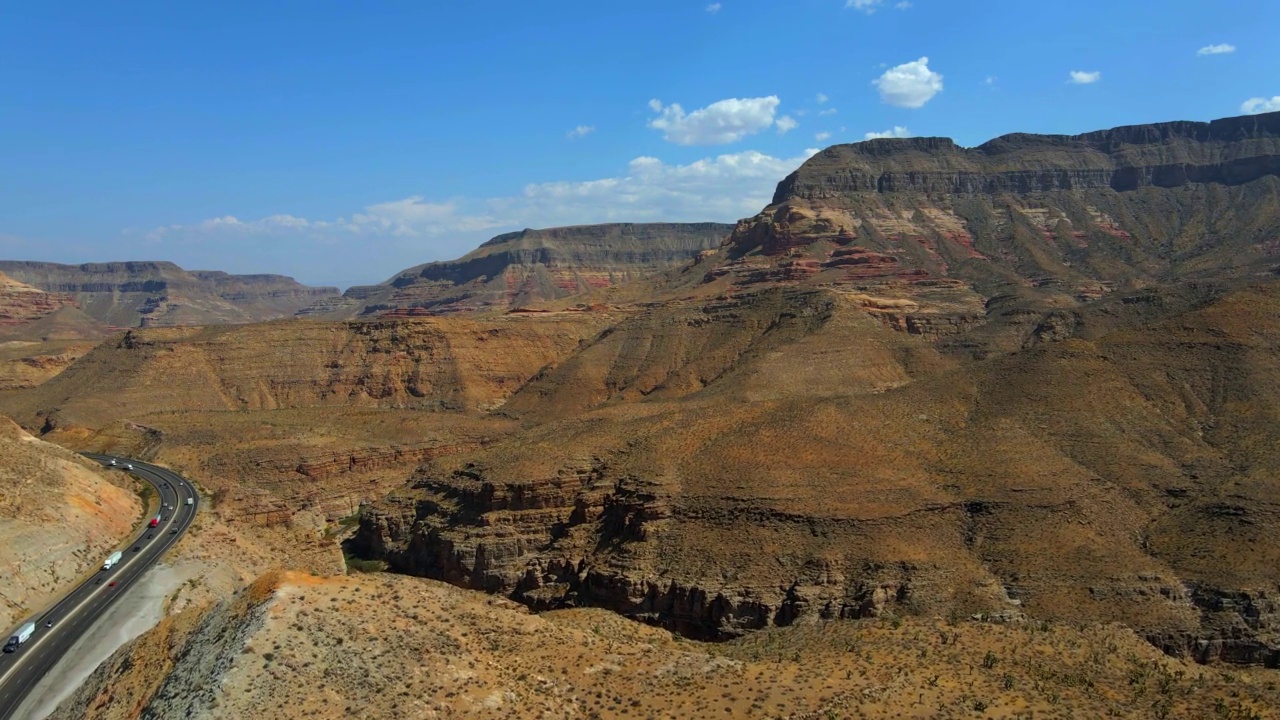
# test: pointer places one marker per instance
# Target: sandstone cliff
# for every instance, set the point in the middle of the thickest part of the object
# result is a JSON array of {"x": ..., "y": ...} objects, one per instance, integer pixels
[
  {"x": 21, "y": 303},
  {"x": 1025, "y": 222},
  {"x": 129, "y": 294},
  {"x": 58, "y": 518},
  {"x": 524, "y": 267}
]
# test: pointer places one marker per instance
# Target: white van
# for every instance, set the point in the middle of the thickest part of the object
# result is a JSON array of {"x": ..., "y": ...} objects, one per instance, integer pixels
[{"x": 190, "y": 501}]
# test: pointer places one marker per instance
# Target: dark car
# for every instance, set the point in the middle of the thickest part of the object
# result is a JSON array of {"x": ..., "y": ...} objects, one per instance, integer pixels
[
  {"x": 136, "y": 548},
  {"x": 173, "y": 531},
  {"x": 111, "y": 584},
  {"x": 150, "y": 535}
]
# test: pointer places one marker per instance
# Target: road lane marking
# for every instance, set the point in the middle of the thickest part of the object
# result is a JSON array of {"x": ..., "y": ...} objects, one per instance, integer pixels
[{"x": 28, "y": 649}]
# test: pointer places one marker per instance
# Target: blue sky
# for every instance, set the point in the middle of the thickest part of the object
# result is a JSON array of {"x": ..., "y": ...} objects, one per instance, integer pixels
[{"x": 340, "y": 142}]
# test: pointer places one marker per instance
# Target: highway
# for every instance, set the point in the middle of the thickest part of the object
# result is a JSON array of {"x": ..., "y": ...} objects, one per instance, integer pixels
[{"x": 75, "y": 613}]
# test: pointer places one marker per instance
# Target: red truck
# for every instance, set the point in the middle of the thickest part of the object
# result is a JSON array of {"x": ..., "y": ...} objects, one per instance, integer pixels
[{"x": 155, "y": 521}]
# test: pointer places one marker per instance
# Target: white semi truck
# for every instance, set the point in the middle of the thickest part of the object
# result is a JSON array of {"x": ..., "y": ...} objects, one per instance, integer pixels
[
  {"x": 22, "y": 635},
  {"x": 111, "y": 561}
]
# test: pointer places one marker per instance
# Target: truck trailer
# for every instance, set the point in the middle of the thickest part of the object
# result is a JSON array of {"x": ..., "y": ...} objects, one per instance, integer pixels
[
  {"x": 21, "y": 636},
  {"x": 111, "y": 561}
]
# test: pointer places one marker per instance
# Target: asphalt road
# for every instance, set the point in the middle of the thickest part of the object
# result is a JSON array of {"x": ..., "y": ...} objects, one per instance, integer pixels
[{"x": 75, "y": 613}]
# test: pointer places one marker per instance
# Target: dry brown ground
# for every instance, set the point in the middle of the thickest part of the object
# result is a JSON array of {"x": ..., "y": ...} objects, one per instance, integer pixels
[{"x": 371, "y": 646}]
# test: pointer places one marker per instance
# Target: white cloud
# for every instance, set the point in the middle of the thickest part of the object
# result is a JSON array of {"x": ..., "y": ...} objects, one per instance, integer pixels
[
  {"x": 991, "y": 80},
  {"x": 409, "y": 217},
  {"x": 866, "y": 6},
  {"x": 719, "y": 123},
  {"x": 897, "y": 132},
  {"x": 829, "y": 111},
  {"x": 822, "y": 99},
  {"x": 786, "y": 124},
  {"x": 870, "y": 6},
  {"x": 822, "y": 136},
  {"x": 1220, "y": 49},
  {"x": 909, "y": 85},
  {"x": 580, "y": 131},
  {"x": 725, "y": 188},
  {"x": 713, "y": 8},
  {"x": 1254, "y": 106},
  {"x": 1080, "y": 77}
]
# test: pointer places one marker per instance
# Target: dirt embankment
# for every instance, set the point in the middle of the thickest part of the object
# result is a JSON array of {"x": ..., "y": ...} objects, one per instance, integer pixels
[{"x": 59, "y": 517}]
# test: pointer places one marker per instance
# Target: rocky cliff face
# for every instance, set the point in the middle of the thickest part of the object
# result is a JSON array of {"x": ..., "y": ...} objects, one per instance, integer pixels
[
  {"x": 130, "y": 294},
  {"x": 524, "y": 267},
  {"x": 1037, "y": 221},
  {"x": 21, "y": 303}
]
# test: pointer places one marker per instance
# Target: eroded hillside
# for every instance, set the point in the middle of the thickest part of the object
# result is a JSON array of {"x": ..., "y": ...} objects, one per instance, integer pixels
[
  {"x": 294, "y": 646},
  {"x": 59, "y": 516},
  {"x": 1079, "y": 480}
]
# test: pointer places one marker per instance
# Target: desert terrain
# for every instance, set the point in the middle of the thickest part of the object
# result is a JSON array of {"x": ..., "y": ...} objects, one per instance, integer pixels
[{"x": 940, "y": 431}]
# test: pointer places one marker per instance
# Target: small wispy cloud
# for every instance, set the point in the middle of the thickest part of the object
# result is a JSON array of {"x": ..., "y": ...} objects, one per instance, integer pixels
[
  {"x": 713, "y": 8},
  {"x": 822, "y": 136},
  {"x": 580, "y": 131},
  {"x": 1080, "y": 77},
  {"x": 866, "y": 6},
  {"x": 829, "y": 111},
  {"x": 1220, "y": 49},
  {"x": 1258, "y": 105},
  {"x": 822, "y": 99},
  {"x": 991, "y": 80},
  {"x": 897, "y": 132},
  {"x": 786, "y": 124}
]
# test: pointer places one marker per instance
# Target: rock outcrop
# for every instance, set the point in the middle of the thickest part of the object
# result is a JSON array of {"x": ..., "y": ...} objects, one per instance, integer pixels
[
  {"x": 528, "y": 266},
  {"x": 132, "y": 294},
  {"x": 21, "y": 303}
]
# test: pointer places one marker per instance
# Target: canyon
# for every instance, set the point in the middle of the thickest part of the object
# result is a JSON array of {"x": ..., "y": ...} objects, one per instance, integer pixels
[{"x": 1026, "y": 385}]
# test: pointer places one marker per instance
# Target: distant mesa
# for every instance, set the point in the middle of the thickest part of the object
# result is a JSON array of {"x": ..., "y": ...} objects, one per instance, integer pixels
[
  {"x": 133, "y": 294},
  {"x": 520, "y": 268}
]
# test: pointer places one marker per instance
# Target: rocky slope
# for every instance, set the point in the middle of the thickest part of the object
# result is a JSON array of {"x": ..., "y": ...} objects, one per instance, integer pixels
[
  {"x": 1086, "y": 479},
  {"x": 1028, "y": 378},
  {"x": 41, "y": 334},
  {"x": 521, "y": 268},
  {"x": 58, "y": 518},
  {"x": 293, "y": 646},
  {"x": 21, "y": 303},
  {"x": 425, "y": 364},
  {"x": 130, "y": 294}
]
